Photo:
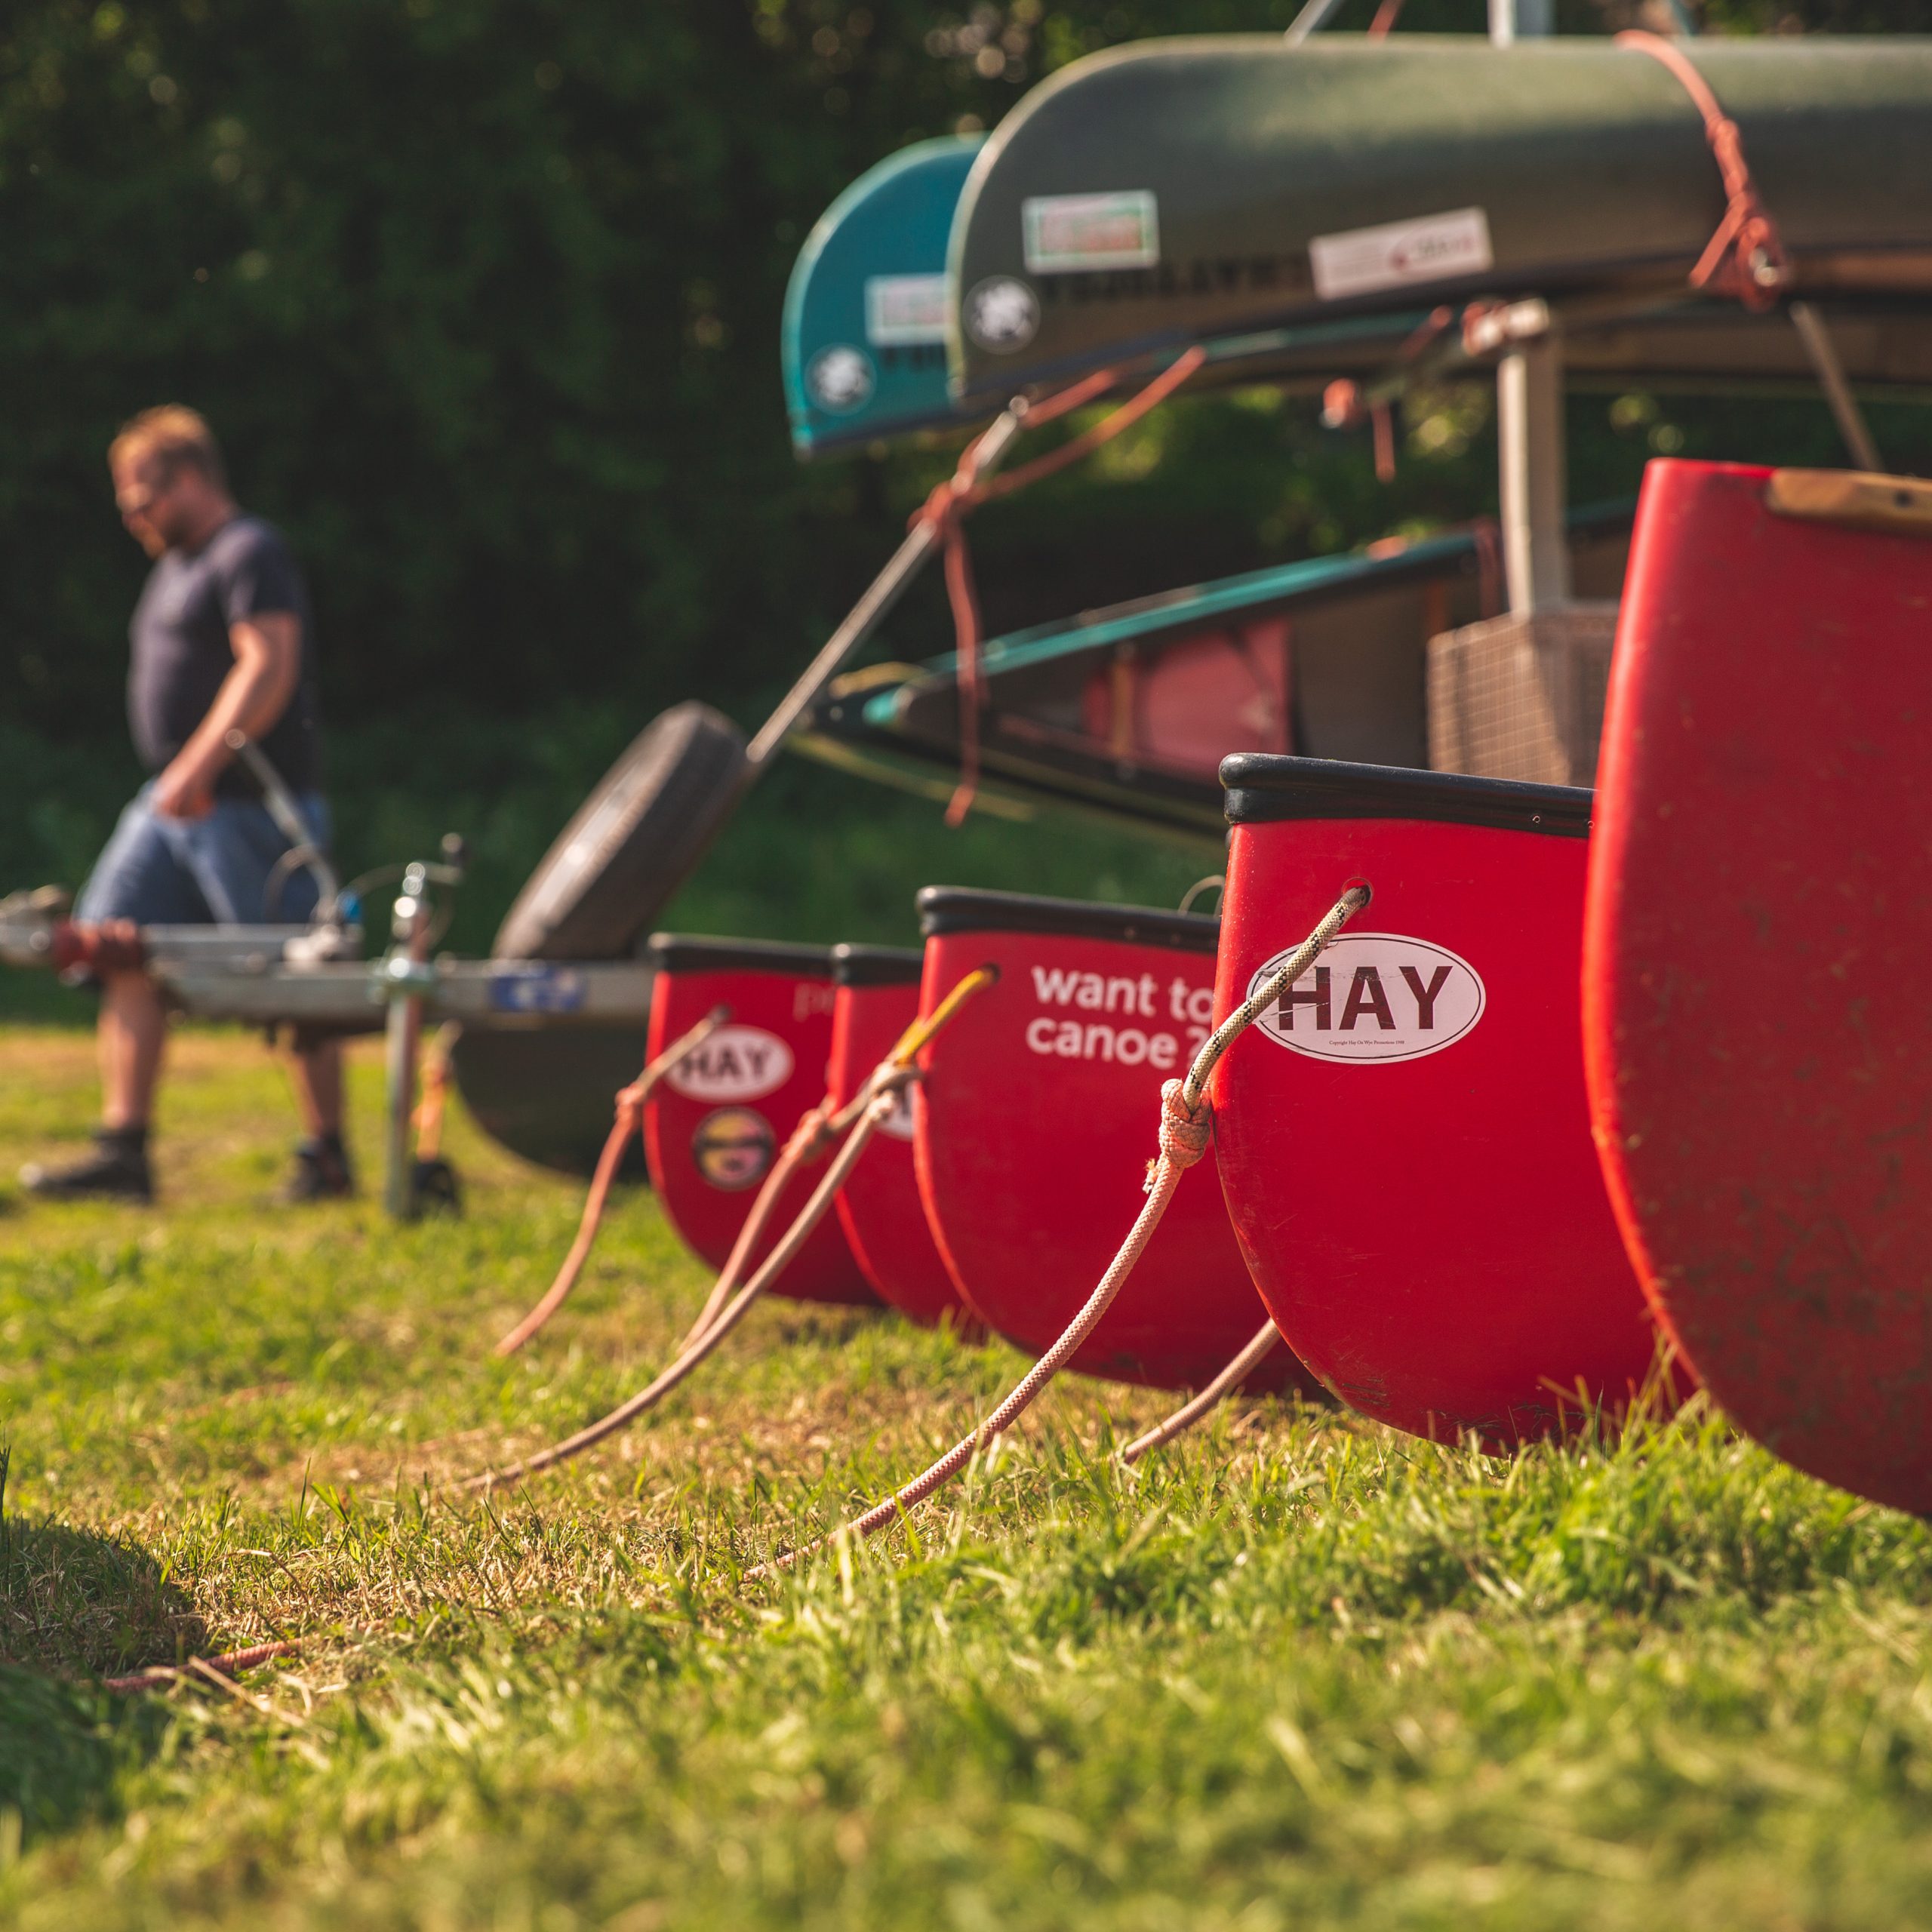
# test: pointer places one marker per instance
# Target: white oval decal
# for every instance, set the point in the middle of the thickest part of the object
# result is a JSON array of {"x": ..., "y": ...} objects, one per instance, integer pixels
[
  {"x": 1375, "y": 996},
  {"x": 736, "y": 1064}
]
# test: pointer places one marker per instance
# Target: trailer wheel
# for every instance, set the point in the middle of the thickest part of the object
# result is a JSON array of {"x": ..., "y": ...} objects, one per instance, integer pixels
[{"x": 632, "y": 843}]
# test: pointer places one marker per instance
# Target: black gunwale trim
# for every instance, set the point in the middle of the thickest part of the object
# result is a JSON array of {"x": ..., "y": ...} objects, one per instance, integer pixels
[
  {"x": 876, "y": 966},
  {"x": 958, "y": 908},
  {"x": 1264, "y": 788},
  {"x": 684, "y": 953}
]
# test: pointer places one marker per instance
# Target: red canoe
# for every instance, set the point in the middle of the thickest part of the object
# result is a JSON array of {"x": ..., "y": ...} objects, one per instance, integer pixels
[
  {"x": 877, "y": 998},
  {"x": 714, "y": 1126},
  {"x": 1403, "y": 1140},
  {"x": 1758, "y": 1035},
  {"x": 1034, "y": 1123}
]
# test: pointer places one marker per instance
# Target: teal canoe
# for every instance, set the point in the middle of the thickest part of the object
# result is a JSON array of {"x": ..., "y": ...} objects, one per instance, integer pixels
[
  {"x": 1174, "y": 191},
  {"x": 863, "y": 335}
]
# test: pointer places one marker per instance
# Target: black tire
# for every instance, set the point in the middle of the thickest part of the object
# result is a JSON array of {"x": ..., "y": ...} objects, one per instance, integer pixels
[{"x": 632, "y": 843}]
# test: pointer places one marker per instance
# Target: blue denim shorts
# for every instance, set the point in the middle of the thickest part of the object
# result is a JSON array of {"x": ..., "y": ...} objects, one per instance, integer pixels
[{"x": 211, "y": 871}]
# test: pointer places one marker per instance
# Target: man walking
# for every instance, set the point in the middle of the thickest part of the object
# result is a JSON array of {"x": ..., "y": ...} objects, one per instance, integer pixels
[{"x": 221, "y": 641}]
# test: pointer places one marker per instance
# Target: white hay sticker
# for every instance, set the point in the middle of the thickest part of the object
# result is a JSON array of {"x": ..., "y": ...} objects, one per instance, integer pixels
[
  {"x": 903, "y": 311},
  {"x": 1375, "y": 996},
  {"x": 1435, "y": 248},
  {"x": 1066, "y": 233},
  {"x": 736, "y": 1064}
]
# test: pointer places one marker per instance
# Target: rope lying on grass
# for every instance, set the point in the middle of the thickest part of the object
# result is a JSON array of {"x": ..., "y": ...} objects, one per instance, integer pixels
[
  {"x": 1185, "y": 1417},
  {"x": 1186, "y": 1123},
  {"x": 228, "y": 1664},
  {"x": 629, "y": 1119},
  {"x": 869, "y": 1110}
]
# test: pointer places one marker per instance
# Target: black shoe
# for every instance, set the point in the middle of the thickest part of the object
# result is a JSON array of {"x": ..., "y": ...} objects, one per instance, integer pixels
[
  {"x": 320, "y": 1173},
  {"x": 437, "y": 1189},
  {"x": 116, "y": 1170}
]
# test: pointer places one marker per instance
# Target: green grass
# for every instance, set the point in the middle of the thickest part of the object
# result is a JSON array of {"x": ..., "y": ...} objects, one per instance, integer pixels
[{"x": 1295, "y": 1672}]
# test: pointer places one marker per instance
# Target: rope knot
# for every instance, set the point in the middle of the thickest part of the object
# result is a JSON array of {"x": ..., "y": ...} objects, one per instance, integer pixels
[
  {"x": 946, "y": 503},
  {"x": 892, "y": 1080},
  {"x": 813, "y": 1135},
  {"x": 1185, "y": 1131},
  {"x": 1746, "y": 258}
]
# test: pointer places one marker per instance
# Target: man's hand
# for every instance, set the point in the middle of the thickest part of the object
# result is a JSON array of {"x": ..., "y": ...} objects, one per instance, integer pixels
[
  {"x": 186, "y": 788},
  {"x": 268, "y": 660}
]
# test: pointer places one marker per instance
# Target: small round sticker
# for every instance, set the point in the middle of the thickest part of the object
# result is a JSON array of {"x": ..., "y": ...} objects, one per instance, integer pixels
[
  {"x": 840, "y": 379},
  {"x": 733, "y": 1148},
  {"x": 1002, "y": 314},
  {"x": 1374, "y": 997}
]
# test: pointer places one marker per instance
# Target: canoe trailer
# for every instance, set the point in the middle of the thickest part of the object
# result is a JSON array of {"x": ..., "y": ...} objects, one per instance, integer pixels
[{"x": 313, "y": 980}]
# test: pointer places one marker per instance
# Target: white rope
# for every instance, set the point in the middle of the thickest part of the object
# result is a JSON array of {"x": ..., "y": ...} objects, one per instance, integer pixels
[
  {"x": 695, "y": 1351},
  {"x": 630, "y": 1112},
  {"x": 865, "y": 1113},
  {"x": 1186, "y": 1123},
  {"x": 1184, "y": 1418}
]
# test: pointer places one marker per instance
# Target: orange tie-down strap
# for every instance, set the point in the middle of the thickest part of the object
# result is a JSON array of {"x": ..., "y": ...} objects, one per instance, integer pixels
[
  {"x": 1746, "y": 257},
  {"x": 949, "y": 504}
]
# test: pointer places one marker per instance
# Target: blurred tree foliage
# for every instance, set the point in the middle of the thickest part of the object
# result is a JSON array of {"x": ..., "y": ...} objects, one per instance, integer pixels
[{"x": 483, "y": 296}]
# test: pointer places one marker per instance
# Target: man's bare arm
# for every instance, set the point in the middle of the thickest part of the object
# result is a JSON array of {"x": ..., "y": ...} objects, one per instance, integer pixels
[{"x": 256, "y": 692}]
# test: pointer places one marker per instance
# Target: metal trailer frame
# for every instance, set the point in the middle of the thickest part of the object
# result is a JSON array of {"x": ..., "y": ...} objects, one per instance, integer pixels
[{"x": 314, "y": 978}]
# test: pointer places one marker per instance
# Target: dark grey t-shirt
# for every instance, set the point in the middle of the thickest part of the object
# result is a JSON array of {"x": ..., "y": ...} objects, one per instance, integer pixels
[{"x": 180, "y": 650}]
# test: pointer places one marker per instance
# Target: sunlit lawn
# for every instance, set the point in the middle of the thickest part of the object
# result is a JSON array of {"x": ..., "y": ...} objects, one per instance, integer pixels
[{"x": 1297, "y": 1671}]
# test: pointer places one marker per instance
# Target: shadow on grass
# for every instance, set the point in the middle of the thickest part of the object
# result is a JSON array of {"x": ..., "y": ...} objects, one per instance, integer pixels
[
  {"x": 62, "y": 1746},
  {"x": 75, "y": 1606}
]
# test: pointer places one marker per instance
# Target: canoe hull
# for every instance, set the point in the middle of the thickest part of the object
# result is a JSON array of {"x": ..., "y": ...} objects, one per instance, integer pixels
[
  {"x": 1759, "y": 1055},
  {"x": 1404, "y": 1145},
  {"x": 863, "y": 336},
  {"x": 877, "y": 999},
  {"x": 1127, "y": 711},
  {"x": 549, "y": 1096},
  {"x": 714, "y": 1126},
  {"x": 1175, "y": 191},
  {"x": 1034, "y": 1126}
]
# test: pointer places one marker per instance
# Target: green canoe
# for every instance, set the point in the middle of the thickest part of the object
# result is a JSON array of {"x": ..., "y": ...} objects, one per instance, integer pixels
[{"x": 1176, "y": 191}]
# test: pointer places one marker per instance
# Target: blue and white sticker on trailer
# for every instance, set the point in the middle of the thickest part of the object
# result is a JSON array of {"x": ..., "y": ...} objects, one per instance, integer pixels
[{"x": 535, "y": 987}]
